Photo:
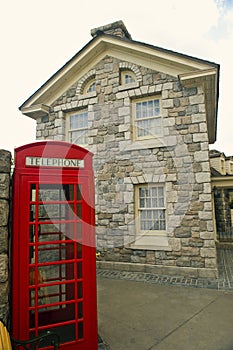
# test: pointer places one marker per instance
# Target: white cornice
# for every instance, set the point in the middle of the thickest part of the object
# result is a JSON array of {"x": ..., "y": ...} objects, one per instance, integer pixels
[
  {"x": 224, "y": 181},
  {"x": 189, "y": 70},
  {"x": 36, "y": 111},
  {"x": 151, "y": 57}
]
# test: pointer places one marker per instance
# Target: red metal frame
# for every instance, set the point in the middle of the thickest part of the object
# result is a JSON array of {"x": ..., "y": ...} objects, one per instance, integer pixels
[{"x": 53, "y": 263}]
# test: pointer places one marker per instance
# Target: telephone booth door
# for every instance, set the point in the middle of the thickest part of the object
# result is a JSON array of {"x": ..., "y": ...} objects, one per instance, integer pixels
[{"x": 53, "y": 247}]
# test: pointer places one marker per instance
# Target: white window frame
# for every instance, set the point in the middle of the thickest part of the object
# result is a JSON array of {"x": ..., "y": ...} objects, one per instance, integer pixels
[
  {"x": 150, "y": 207},
  {"x": 149, "y": 239},
  {"x": 231, "y": 167},
  {"x": 80, "y": 127},
  {"x": 90, "y": 87},
  {"x": 147, "y": 118},
  {"x": 128, "y": 77},
  {"x": 222, "y": 166}
]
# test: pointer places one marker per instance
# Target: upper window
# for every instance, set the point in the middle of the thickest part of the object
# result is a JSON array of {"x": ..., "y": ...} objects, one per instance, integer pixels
[
  {"x": 78, "y": 128},
  {"x": 89, "y": 87},
  {"x": 127, "y": 77},
  {"x": 231, "y": 167},
  {"x": 150, "y": 208},
  {"x": 222, "y": 166},
  {"x": 147, "y": 118}
]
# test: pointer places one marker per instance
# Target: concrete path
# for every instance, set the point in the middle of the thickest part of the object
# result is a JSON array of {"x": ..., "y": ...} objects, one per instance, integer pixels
[{"x": 145, "y": 316}]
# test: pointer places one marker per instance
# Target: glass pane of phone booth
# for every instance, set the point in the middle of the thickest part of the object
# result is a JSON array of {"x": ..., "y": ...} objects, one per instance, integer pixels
[{"x": 56, "y": 260}]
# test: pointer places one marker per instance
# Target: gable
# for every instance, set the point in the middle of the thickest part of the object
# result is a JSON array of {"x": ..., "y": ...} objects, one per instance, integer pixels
[
  {"x": 110, "y": 70},
  {"x": 189, "y": 70}
]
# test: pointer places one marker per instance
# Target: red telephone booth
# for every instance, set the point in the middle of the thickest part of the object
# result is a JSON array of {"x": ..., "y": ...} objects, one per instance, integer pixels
[{"x": 53, "y": 245}]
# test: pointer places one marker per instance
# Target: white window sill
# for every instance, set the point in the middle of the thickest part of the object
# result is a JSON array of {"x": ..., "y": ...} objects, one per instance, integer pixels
[
  {"x": 151, "y": 242},
  {"x": 87, "y": 95},
  {"x": 158, "y": 141},
  {"x": 128, "y": 86}
]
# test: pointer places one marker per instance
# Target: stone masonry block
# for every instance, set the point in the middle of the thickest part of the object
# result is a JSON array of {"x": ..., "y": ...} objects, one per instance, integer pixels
[
  {"x": 3, "y": 292},
  {"x": 4, "y": 185},
  {"x": 167, "y": 86},
  {"x": 3, "y": 268},
  {"x": 3, "y": 239},
  {"x": 208, "y": 252},
  {"x": 175, "y": 243},
  {"x": 168, "y": 103},
  {"x": 5, "y": 161},
  {"x": 4, "y": 212},
  {"x": 201, "y": 156},
  {"x": 210, "y": 263},
  {"x": 196, "y": 99},
  {"x": 203, "y": 177},
  {"x": 205, "y": 215},
  {"x": 200, "y": 137}
]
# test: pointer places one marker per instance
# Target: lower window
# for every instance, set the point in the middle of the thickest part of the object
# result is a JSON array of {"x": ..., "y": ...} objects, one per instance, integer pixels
[{"x": 150, "y": 208}]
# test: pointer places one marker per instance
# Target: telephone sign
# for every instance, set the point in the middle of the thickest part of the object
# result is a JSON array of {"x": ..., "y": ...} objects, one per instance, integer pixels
[{"x": 53, "y": 245}]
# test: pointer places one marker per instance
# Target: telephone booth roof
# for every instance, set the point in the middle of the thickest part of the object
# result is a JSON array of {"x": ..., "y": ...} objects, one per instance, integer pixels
[{"x": 52, "y": 149}]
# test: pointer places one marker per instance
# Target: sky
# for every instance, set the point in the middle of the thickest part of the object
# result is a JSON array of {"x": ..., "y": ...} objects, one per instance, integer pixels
[{"x": 39, "y": 37}]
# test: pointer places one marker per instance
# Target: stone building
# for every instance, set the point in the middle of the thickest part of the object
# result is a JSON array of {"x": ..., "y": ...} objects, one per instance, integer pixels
[
  {"x": 148, "y": 114},
  {"x": 222, "y": 184}
]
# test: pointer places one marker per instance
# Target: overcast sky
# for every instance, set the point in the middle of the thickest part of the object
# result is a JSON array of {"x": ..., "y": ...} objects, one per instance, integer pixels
[{"x": 39, "y": 37}]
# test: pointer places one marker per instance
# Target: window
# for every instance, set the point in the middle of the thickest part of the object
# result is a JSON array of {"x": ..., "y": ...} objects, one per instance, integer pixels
[
  {"x": 90, "y": 87},
  {"x": 150, "y": 207},
  {"x": 231, "y": 167},
  {"x": 78, "y": 128},
  {"x": 147, "y": 118},
  {"x": 127, "y": 77},
  {"x": 222, "y": 166}
]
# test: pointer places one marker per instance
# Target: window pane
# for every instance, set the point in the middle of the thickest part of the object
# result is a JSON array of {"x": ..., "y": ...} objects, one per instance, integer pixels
[
  {"x": 79, "y": 137},
  {"x": 55, "y": 212},
  {"x": 129, "y": 79},
  {"x": 154, "y": 202},
  {"x": 55, "y": 192},
  {"x": 160, "y": 191},
  {"x": 55, "y": 252},
  {"x": 138, "y": 110}
]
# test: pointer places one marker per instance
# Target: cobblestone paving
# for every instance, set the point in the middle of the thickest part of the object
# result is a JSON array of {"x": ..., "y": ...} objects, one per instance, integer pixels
[
  {"x": 224, "y": 281},
  {"x": 225, "y": 266}
]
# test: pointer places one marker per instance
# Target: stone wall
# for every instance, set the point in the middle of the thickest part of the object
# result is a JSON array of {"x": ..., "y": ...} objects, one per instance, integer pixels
[
  {"x": 222, "y": 211},
  {"x": 5, "y": 168},
  {"x": 179, "y": 159}
]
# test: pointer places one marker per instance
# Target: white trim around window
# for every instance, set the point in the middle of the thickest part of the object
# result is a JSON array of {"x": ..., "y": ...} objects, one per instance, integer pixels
[
  {"x": 90, "y": 87},
  {"x": 150, "y": 217},
  {"x": 77, "y": 127},
  {"x": 127, "y": 77},
  {"x": 147, "y": 118},
  {"x": 150, "y": 208}
]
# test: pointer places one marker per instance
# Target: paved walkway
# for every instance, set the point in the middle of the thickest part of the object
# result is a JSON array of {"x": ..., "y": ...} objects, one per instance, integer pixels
[
  {"x": 225, "y": 266},
  {"x": 148, "y": 312}
]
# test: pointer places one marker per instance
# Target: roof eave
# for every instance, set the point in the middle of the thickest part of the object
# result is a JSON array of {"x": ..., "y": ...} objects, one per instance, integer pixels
[
  {"x": 209, "y": 79},
  {"x": 36, "y": 111},
  {"x": 198, "y": 70}
]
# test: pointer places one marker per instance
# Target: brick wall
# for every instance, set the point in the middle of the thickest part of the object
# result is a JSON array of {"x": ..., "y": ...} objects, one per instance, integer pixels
[{"x": 5, "y": 168}]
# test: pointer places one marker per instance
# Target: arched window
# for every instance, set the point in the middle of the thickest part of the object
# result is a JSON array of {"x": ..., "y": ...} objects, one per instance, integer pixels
[
  {"x": 90, "y": 87},
  {"x": 127, "y": 77}
]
